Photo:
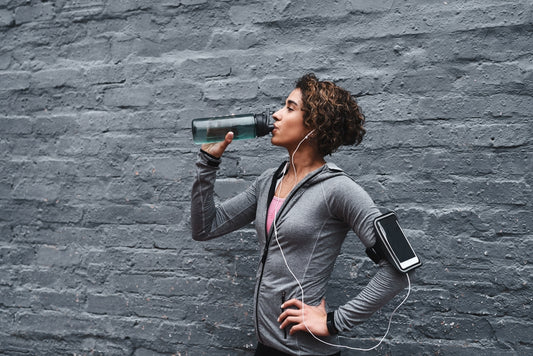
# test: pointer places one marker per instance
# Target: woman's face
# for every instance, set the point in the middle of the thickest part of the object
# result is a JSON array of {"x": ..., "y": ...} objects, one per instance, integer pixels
[{"x": 289, "y": 127}]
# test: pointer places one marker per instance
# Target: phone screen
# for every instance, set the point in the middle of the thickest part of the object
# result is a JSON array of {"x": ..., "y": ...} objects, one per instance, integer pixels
[{"x": 396, "y": 238}]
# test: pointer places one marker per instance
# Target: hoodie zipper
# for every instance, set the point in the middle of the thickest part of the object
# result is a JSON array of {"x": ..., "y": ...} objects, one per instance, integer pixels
[{"x": 269, "y": 235}]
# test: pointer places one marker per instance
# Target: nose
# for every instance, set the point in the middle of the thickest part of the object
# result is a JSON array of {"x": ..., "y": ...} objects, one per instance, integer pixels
[{"x": 276, "y": 115}]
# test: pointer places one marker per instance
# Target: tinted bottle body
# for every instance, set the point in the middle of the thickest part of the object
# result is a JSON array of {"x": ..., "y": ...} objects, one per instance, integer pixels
[{"x": 214, "y": 129}]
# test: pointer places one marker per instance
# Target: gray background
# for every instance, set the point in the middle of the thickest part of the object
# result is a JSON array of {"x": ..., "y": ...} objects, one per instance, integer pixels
[{"x": 96, "y": 101}]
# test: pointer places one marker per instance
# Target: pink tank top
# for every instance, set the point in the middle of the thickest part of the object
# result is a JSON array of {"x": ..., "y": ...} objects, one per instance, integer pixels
[{"x": 273, "y": 209}]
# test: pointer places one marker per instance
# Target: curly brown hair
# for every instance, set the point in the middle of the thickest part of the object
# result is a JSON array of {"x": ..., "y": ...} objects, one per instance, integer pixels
[{"x": 332, "y": 112}]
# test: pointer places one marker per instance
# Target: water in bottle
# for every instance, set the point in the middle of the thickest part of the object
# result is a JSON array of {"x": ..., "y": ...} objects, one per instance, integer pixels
[{"x": 214, "y": 129}]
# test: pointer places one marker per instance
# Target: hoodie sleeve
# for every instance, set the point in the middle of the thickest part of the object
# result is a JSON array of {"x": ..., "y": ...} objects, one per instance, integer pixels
[
  {"x": 356, "y": 208},
  {"x": 209, "y": 220}
]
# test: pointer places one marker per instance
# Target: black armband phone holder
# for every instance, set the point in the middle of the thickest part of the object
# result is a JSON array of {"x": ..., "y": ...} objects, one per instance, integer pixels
[{"x": 392, "y": 244}]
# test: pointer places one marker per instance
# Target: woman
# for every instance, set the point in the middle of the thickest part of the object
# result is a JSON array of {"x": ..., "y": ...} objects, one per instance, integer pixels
[{"x": 302, "y": 213}]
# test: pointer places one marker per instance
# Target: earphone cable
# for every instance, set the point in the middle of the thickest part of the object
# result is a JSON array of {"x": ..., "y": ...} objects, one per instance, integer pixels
[{"x": 300, "y": 285}]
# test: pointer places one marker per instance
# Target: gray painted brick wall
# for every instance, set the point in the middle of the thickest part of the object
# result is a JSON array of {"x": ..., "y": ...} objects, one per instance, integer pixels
[{"x": 96, "y": 100}]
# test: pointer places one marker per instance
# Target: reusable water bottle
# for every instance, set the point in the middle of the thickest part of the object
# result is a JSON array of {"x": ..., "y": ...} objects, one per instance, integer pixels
[{"x": 214, "y": 129}]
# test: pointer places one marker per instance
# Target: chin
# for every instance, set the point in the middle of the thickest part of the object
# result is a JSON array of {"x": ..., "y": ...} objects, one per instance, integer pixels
[{"x": 273, "y": 140}]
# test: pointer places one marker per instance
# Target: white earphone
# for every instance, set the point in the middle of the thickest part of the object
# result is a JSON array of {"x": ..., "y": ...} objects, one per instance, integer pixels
[{"x": 300, "y": 285}]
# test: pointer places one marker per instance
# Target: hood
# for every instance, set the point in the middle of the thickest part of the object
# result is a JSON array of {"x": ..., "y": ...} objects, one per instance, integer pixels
[{"x": 321, "y": 174}]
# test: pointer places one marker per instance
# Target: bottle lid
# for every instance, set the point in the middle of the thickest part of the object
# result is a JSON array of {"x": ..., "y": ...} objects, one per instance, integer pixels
[{"x": 262, "y": 123}]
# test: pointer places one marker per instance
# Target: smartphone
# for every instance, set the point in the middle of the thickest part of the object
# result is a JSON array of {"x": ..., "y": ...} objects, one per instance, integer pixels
[{"x": 396, "y": 244}]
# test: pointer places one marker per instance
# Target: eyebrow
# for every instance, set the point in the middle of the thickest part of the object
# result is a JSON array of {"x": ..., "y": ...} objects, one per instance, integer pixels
[{"x": 292, "y": 102}]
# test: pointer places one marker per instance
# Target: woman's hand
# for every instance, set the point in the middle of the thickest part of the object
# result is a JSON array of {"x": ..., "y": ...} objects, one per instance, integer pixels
[
  {"x": 217, "y": 148},
  {"x": 315, "y": 317}
]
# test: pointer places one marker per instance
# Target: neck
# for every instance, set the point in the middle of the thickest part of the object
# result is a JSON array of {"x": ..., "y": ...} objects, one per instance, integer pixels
[{"x": 304, "y": 160}]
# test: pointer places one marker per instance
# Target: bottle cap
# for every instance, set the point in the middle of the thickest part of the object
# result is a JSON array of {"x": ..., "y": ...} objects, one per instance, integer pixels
[{"x": 262, "y": 123}]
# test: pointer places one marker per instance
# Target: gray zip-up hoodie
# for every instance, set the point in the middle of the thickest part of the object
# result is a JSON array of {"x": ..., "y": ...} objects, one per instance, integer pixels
[{"x": 311, "y": 226}]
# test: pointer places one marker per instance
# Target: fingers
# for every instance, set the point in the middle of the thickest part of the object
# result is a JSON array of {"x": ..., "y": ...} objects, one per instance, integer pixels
[
  {"x": 217, "y": 149},
  {"x": 292, "y": 303},
  {"x": 290, "y": 316},
  {"x": 303, "y": 317},
  {"x": 296, "y": 328},
  {"x": 227, "y": 140}
]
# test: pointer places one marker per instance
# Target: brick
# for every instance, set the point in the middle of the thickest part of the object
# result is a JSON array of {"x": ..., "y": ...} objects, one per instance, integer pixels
[
  {"x": 7, "y": 18},
  {"x": 49, "y": 255},
  {"x": 62, "y": 214},
  {"x": 36, "y": 12},
  {"x": 62, "y": 235},
  {"x": 479, "y": 44},
  {"x": 128, "y": 97},
  {"x": 6, "y": 232},
  {"x": 229, "y": 187},
  {"x": 5, "y": 60},
  {"x": 443, "y": 348},
  {"x": 159, "y": 167},
  {"x": 35, "y": 277},
  {"x": 165, "y": 286},
  {"x": 193, "y": 2},
  {"x": 206, "y": 67},
  {"x": 511, "y": 329},
  {"x": 505, "y": 222},
  {"x": 162, "y": 308},
  {"x": 489, "y": 135},
  {"x": 62, "y": 324},
  {"x": 53, "y": 125},
  {"x": 42, "y": 167},
  {"x": 16, "y": 125},
  {"x": 14, "y": 299},
  {"x": 146, "y": 352},
  {"x": 156, "y": 214},
  {"x": 121, "y": 214},
  {"x": 230, "y": 90},
  {"x": 276, "y": 87},
  {"x": 14, "y": 80},
  {"x": 80, "y": 9},
  {"x": 122, "y": 191},
  {"x": 138, "y": 236},
  {"x": 33, "y": 190},
  {"x": 242, "y": 39},
  {"x": 60, "y": 77},
  {"x": 98, "y": 121},
  {"x": 188, "y": 37},
  {"x": 107, "y": 304},
  {"x": 105, "y": 74},
  {"x": 154, "y": 260},
  {"x": 279, "y": 11},
  {"x": 492, "y": 79},
  {"x": 458, "y": 328},
  {"x": 56, "y": 301},
  {"x": 86, "y": 50},
  {"x": 121, "y": 6},
  {"x": 17, "y": 255}
]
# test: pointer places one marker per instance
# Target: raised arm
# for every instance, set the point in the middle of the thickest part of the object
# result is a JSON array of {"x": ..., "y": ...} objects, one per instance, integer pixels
[{"x": 209, "y": 220}]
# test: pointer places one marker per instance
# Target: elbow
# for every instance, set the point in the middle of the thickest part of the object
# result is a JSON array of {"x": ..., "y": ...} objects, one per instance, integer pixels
[
  {"x": 199, "y": 235},
  {"x": 198, "y": 231},
  {"x": 202, "y": 235}
]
